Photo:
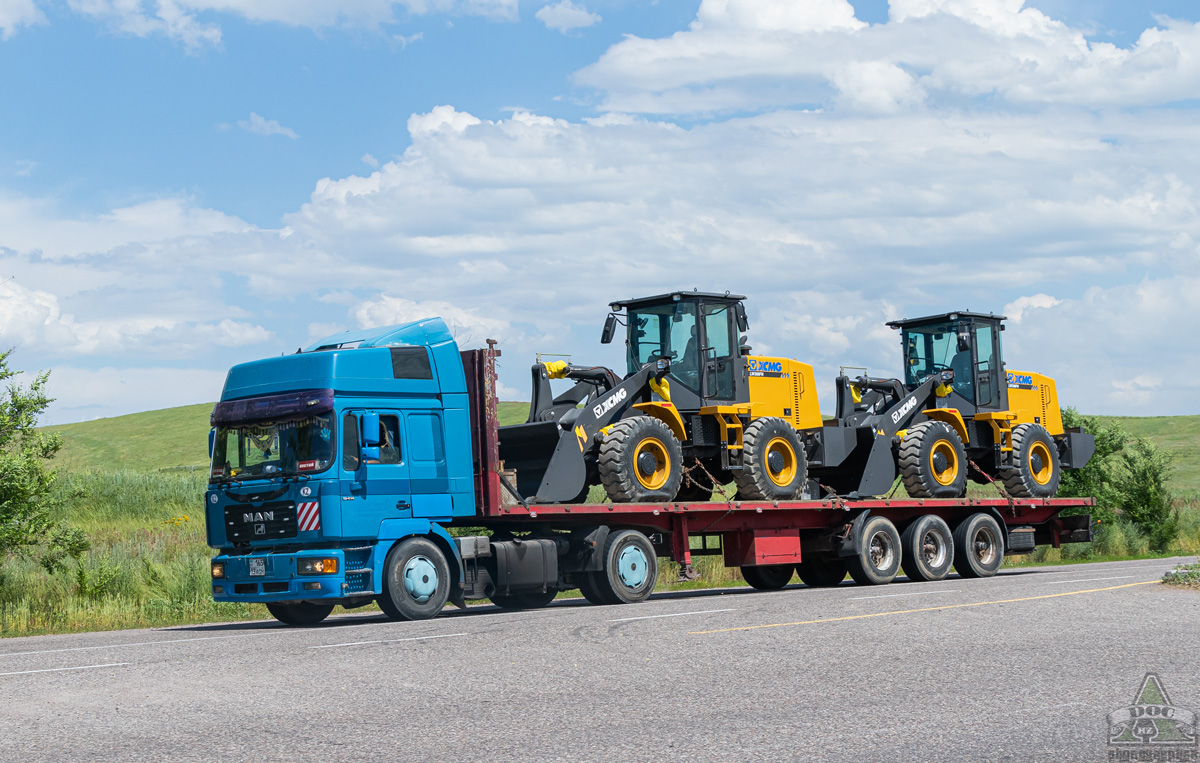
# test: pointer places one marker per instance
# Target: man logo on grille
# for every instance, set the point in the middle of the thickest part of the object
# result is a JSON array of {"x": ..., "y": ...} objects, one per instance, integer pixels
[
  {"x": 1152, "y": 723},
  {"x": 260, "y": 529}
]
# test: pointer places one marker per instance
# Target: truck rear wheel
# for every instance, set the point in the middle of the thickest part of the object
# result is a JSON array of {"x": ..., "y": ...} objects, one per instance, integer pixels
[
  {"x": 927, "y": 548},
  {"x": 769, "y": 577},
  {"x": 877, "y": 560},
  {"x": 821, "y": 573},
  {"x": 774, "y": 465},
  {"x": 299, "y": 612},
  {"x": 978, "y": 546},
  {"x": 630, "y": 568},
  {"x": 640, "y": 461},
  {"x": 933, "y": 461},
  {"x": 416, "y": 580},
  {"x": 524, "y": 599},
  {"x": 1036, "y": 470}
]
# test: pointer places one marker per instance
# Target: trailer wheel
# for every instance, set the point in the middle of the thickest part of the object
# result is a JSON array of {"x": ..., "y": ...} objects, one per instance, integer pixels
[
  {"x": 416, "y": 580},
  {"x": 877, "y": 560},
  {"x": 1036, "y": 471},
  {"x": 927, "y": 549},
  {"x": 630, "y": 568},
  {"x": 821, "y": 573},
  {"x": 768, "y": 577},
  {"x": 774, "y": 466},
  {"x": 933, "y": 462},
  {"x": 299, "y": 612},
  {"x": 640, "y": 461},
  {"x": 524, "y": 599},
  {"x": 978, "y": 546}
]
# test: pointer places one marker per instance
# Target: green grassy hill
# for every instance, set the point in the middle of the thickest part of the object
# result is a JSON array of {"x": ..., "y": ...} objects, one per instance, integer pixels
[
  {"x": 178, "y": 437},
  {"x": 165, "y": 439}
]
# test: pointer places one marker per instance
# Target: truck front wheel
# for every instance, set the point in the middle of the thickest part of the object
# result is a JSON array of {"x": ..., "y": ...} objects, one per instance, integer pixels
[
  {"x": 299, "y": 612},
  {"x": 630, "y": 569},
  {"x": 416, "y": 580}
]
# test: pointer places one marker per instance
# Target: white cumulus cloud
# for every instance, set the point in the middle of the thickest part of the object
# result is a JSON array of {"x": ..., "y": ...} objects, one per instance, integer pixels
[
  {"x": 565, "y": 16},
  {"x": 18, "y": 13},
  {"x": 266, "y": 127}
]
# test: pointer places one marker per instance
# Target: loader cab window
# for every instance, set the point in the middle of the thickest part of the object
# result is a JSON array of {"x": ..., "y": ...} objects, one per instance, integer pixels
[
  {"x": 987, "y": 365},
  {"x": 719, "y": 354},
  {"x": 931, "y": 349},
  {"x": 668, "y": 330}
]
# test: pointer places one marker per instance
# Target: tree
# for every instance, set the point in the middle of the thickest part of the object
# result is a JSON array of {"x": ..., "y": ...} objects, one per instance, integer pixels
[
  {"x": 1100, "y": 478},
  {"x": 26, "y": 481}
]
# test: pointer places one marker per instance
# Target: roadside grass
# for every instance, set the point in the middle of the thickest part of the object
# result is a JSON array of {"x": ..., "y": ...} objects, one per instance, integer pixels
[{"x": 1184, "y": 576}]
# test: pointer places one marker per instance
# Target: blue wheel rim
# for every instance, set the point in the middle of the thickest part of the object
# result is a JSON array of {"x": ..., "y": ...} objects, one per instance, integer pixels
[
  {"x": 420, "y": 579},
  {"x": 632, "y": 566}
]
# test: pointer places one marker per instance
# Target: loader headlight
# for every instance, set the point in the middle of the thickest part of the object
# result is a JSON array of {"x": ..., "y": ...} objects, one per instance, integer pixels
[
  {"x": 317, "y": 565},
  {"x": 218, "y": 570}
]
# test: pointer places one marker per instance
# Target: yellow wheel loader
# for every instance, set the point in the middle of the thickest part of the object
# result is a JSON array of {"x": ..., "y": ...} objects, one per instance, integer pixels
[
  {"x": 695, "y": 410},
  {"x": 958, "y": 413}
]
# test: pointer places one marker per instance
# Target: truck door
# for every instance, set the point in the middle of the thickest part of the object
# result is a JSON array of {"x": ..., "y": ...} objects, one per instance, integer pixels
[{"x": 374, "y": 489}]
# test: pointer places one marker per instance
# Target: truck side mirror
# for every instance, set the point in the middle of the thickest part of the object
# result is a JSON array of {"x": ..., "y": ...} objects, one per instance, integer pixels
[
  {"x": 212, "y": 442},
  {"x": 743, "y": 323},
  {"x": 368, "y": 454},
  {"x": 370, "y": 430},
  {"x": 610, "y": 327}
]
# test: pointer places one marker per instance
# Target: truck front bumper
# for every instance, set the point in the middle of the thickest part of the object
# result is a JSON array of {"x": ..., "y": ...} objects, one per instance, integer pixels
[{"x": 263, "y": 576}]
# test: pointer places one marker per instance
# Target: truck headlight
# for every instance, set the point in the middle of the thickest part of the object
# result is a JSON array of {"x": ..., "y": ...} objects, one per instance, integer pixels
[
  {"x": 317, "y": 565},
  {"x": 218, "y": 570}
]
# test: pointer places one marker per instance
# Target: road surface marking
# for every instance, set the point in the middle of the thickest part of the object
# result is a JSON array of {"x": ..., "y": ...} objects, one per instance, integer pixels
[
  {"x": 895, "y": 595},
  {"x": 135, "y": 643},
  {"x": 673, "y": 614},
  {"x": 57, "y": 670},
  {"x": 1083, "y": 580},
  {"x": 387, "y": 640},
  {"x": 925, "y": 609}
]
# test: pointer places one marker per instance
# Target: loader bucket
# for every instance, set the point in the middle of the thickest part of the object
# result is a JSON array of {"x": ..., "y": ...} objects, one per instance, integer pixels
[{"x": 549, "y": 464}]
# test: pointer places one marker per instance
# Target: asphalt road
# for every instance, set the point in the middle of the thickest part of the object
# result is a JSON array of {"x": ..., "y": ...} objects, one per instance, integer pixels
[{"x": 1023, "y": 666}]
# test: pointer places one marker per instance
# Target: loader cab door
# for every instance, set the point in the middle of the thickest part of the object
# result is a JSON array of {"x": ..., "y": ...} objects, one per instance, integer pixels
[
  {"x": 724, "y": 368},
  {"x": 988, "y": 367},
  {"x": 670, "y": 330}
]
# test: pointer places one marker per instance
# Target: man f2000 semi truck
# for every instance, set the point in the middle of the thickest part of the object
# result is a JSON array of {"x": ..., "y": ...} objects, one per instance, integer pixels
[{"x": 338, "y": 472}]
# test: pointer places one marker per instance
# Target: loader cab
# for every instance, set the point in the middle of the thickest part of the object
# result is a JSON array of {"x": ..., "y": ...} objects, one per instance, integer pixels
[
  {"x": 700, "y": 333},
  {"x": 965, "y": 343}
]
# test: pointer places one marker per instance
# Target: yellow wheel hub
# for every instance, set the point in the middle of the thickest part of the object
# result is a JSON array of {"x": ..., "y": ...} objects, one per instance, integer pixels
[
  {"x": 784, "y": 458},
  {"x": 949, "y": 471},
  {"x": 656, "y": 477},
  {"x": 1042, "y": 453}
]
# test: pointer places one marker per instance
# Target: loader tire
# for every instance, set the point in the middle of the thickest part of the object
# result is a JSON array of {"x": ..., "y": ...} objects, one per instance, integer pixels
[
  {"x": 640, "y": 461},
  {"x": 774, "y": 467},
  {"x": 933, "y": 461},
  {"x": 1036, "y": 471}
]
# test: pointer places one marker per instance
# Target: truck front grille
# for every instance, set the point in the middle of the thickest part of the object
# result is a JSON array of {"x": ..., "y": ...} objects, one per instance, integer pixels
[{"x": 268, "y": 521}]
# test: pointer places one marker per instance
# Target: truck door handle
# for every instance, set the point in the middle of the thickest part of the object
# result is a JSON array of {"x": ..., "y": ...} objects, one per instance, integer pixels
[{"x": 403, "y": 505}]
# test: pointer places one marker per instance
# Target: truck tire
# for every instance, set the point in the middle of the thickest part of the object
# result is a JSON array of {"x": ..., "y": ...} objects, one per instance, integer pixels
[
  {"x": 524, "y": 599},
  {"x": 769, "y": 577},
  {"x": 821, "y": 573},
  {"x": 591, "y": 590},
  {"x": 299, "y": 612},
  {"x": 416, "y": 580},
  {"x": 1036, "y": 470},
  {"x": 774, "y": 467},
  {"x": 877, "y": 560},
  {"x": 630, "y": 568},
  {"x": 640, "y": 461},
  {"x": 978, "y": 546},
  {"x": 927, "y": 548},
  {"x": 933, "y": 461}
]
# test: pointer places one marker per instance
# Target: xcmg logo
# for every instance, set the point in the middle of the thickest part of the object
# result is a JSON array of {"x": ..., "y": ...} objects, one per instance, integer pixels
[
  {"x": 612, "y": 401},
  {"x": 1020, "y": 379},
  {"x": 770, "y": 366}
]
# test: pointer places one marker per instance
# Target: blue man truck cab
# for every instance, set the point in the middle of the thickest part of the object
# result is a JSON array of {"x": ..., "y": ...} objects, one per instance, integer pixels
[{"x": 339, "y": 472}]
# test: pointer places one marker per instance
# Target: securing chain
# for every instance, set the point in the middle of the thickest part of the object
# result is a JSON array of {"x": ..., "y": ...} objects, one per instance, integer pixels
[{"x": 1012, "y": 505}]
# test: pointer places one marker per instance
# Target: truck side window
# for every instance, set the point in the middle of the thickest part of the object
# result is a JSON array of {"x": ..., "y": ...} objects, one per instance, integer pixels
[
  {"x": 350, "y": 442},
  {"x": 411, "y": 363},
  {"x": 389, "y": 439}
]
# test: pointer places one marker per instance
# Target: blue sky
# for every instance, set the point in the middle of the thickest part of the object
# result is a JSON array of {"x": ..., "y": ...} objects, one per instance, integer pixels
[{"x": 188, "y": 184}]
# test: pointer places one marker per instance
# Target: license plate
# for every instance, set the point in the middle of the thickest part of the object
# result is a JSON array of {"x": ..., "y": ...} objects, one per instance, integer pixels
[{"x": 258, "y": 567}]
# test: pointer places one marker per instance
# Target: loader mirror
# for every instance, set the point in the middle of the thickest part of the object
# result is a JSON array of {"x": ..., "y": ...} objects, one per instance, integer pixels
[
  {"x": 964, "y": 338},
  {"x": 743, "y": 323},
  {"x": 610, "y": 327},
  {"x": 212, "y": 442},
  {"x": 370, "y": 430}
]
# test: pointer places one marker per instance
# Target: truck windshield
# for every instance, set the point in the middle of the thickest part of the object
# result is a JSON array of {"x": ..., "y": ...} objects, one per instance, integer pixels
[{"x": 273, "y": 448}]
